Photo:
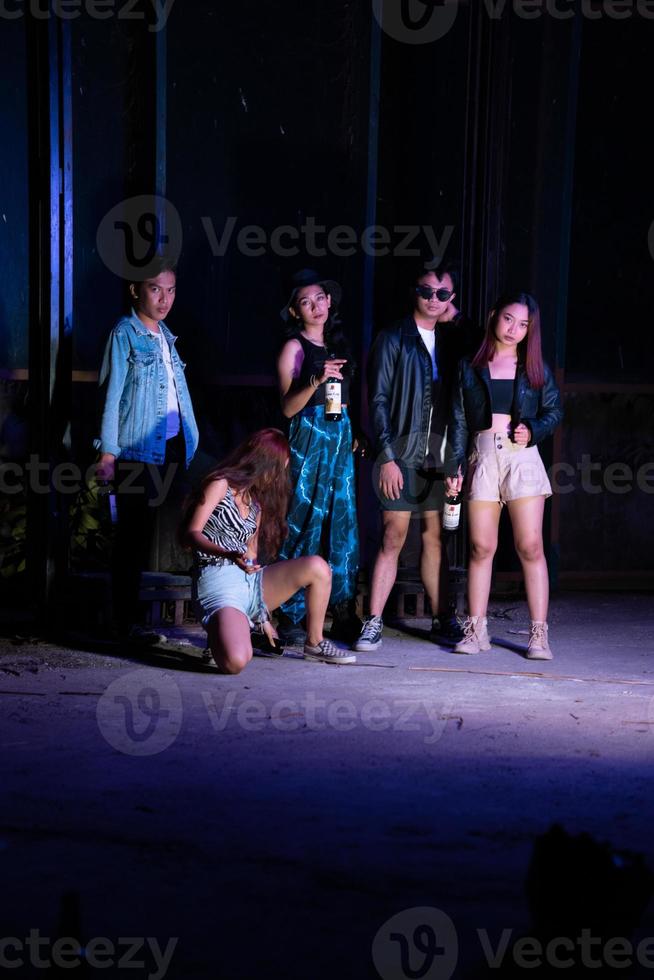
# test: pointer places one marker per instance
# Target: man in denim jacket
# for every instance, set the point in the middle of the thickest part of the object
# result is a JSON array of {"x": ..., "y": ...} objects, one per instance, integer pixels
[{"x": 148, "y": 429}]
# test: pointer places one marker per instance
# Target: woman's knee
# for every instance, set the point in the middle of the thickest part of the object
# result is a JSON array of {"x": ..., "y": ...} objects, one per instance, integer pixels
[
  {"x": 234, "y": 661},
  {"x": 317, "y": 569},
  {"x": 482, "y": 550},
  {"x": 530, "y": 549}
]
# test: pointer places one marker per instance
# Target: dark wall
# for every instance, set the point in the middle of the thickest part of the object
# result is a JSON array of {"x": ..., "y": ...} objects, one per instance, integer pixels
[
  {"x": 13, "y": 197},
  {"x": 612, "y": 270},
  {"x": 265, "y": 129},
  {"x": 267, "y": 124}
]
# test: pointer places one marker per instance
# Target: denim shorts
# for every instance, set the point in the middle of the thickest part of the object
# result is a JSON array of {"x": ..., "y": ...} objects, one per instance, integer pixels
[
  {"x": 227, "y": 586},
  {"x": 500, "y": 470}
]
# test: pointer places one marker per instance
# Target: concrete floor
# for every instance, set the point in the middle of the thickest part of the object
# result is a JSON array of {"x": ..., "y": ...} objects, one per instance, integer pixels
[{"x": 273, "y": 823}]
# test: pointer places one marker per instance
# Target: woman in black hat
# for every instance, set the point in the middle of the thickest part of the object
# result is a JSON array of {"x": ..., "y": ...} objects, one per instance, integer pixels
[{"x": 322, "y": 515}]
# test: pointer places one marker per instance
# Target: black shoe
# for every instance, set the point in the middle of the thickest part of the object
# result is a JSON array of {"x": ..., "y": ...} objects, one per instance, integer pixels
[
  {"x": 262, "y": 647},
  {"x": 346, "y": 625},
  {"x": 446, "y": 627},
  {"x": 290, "y": 634},
  {"x": 371, "y": 635},
  {"x": 141, "y": 636}
]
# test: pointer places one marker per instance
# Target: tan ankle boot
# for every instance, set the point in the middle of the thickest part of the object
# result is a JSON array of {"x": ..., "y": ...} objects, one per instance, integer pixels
[
  {"x": 539, "y": 648},
  {"x": 475, "y": 636}
]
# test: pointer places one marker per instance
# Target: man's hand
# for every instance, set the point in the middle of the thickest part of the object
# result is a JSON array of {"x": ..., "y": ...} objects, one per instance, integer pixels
[
  {"x": 105, "y": 469},
  {"x": 391, "y": 481},
  {"x": 449, "y": 312}
]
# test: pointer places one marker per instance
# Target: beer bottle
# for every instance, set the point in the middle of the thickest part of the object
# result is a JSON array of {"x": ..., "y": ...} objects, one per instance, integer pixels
[{"x": 333, "y": 410}]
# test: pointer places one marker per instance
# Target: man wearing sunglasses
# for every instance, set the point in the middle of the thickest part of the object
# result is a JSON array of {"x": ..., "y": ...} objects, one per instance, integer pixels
[{"x": 411, "y": 368}]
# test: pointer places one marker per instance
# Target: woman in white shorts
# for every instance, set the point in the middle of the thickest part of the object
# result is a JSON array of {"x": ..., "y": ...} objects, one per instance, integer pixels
[
  {"x": 505, "y": 402},
  {"x": 240, "y": 509}
]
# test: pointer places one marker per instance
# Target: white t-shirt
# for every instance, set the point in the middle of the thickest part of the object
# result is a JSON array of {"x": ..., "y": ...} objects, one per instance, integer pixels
[
  {"x": 429, "y": 338},
  {"x": 172, "y": 407}
]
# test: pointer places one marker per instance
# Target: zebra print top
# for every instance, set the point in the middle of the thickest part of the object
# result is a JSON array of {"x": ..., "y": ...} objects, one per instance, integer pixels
[{"x": 228, "y": 529}]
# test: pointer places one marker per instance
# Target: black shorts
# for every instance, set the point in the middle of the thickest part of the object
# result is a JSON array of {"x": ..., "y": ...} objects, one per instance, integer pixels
[{"x": 424, "y": 490}]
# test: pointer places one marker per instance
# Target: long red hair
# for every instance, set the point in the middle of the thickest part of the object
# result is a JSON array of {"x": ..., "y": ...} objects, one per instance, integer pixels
[
  {"x": 529, "y": 350},
  {"x": 260, "y": 466}
]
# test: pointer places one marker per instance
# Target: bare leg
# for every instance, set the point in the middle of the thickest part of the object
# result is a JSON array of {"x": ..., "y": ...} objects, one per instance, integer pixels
[
  {"x": 432, "y": 559},
  {"x": 282, "y": 580},
  {"x": 527, "y": 522},
  {"x": 384, "y": 573},
  {"x": 229, "y": 640},
  {"x": 483, "y": 522}
]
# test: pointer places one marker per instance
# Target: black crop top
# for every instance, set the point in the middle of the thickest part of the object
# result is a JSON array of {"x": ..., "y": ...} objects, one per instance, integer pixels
[
  {"x": 313, "y": 363},
  {"x": 501, "y": 395}
]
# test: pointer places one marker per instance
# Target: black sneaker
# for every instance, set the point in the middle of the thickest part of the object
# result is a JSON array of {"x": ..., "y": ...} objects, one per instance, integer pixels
[
  {"x": 143, "y": 636},
  {"x": 371, "y": 635},
  {"x": 262, "y": 647},
  {"x": 446, "y": 627},
  {"x": 290, "y": 634},
  {"x": 346, "y": 625}
]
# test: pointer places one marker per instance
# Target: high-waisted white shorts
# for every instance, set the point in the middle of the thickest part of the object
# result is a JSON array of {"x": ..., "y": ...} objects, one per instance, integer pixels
[
  {"x": 228, "y": 586},
  {"x": 499, "y": 470}
]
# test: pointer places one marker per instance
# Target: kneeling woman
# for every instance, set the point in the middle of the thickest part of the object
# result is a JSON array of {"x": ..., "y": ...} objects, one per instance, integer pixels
[
  {"x": 239, "y": 509},
  {"x": 505, "y": 402}
]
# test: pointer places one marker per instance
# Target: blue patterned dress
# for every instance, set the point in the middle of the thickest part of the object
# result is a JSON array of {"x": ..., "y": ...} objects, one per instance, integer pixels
[{"x": 322, "y": 518}]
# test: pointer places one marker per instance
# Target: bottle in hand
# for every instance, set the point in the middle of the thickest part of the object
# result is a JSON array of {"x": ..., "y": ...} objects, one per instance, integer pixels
[
  {"x": 452, "y": 511},
  {"x": 333, "y": 408}
]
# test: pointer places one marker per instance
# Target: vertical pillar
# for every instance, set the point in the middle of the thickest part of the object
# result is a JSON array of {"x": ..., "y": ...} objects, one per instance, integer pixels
[{"x": 50, "y": 298}]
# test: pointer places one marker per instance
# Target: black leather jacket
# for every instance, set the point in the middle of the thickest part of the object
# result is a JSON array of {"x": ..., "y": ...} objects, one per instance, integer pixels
[
  {"x": 401, "y": 392},
  {"x": 538, "y": 408}
]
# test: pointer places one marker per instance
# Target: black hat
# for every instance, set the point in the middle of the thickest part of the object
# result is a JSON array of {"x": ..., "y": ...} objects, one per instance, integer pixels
[{"x": 309, "y": 277}]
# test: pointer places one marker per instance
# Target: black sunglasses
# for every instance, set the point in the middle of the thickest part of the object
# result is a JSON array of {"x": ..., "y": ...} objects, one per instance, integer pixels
[{"x": 426, "y": 292}]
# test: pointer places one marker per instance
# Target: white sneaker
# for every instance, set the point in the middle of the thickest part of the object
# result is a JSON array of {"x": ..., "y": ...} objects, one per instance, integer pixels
[{"x": 327, "y": 652}]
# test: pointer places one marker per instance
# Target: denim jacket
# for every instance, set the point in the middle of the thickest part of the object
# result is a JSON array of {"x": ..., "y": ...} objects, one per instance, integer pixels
[{"x": 134, "y": 388}]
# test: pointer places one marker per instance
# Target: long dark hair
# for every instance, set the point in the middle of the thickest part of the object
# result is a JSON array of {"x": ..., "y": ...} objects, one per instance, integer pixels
[
  {"x": 529, "y": 350},
  {"x": 259, "y": 465}
]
